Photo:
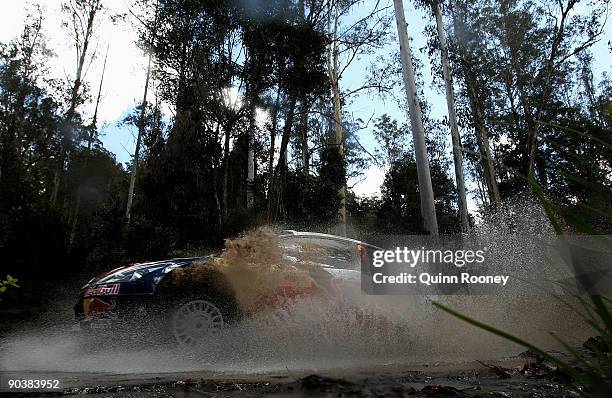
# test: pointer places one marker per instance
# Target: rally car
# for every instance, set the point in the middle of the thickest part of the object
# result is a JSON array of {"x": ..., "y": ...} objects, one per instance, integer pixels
[{"x": 188, "y": 299}]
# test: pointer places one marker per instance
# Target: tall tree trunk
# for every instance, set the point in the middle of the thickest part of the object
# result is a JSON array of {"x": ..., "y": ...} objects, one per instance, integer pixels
[
  {"x": 141, "y": 121},
  {"x": 303, "y": 133},
  {"x": 333, "y": 70},
  {"x": 281, "y": 167},
  {"x": 482, "y": 136},
  {"x": 304, "y": 106},
  {"x": 74, "y": 98},
  {"x": 482, "y": 139},
  {"x": 215, "y": 183},
  {"x": 226, "y": 153},
  {"x": 94, "y": 121},
  {"x": 90, "y": 139},
  {"x": 250, "y": 180},
  {"x": 339, "y": 134},
  {"x": 273, "y": 130},
  {"x": 452, "y": 118},
  {"x": 428, "y": 209},
  {"x": 480, "y": 183},
  {"x": 141, "y": 127}
]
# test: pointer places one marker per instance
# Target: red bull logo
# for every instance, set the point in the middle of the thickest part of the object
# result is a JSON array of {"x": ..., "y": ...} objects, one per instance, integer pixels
[
  {"x": 103, "y": 290},
  {"x": 95, "y": 306}
]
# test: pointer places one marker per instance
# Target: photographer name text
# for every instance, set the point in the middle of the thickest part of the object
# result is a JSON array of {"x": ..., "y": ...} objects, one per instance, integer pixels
[{"x": 406, "y": 257}]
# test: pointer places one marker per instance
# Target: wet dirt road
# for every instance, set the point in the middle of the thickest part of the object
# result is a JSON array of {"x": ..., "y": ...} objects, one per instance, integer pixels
[
  {"x": 316, "y": 351},
  {"x": 512, "y": 377}
]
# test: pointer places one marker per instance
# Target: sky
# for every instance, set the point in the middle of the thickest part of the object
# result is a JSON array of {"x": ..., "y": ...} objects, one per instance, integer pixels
[{"x": 126, "y": 68}]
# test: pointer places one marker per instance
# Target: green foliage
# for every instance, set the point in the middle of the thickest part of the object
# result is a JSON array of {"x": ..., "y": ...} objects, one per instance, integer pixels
[
  {"x": 8, "y": 281},
  {"x": 398, "y": 210},
  {"x": 392, "y": 139},
  {"x": 313, "y": 200},
  {"x": 518, "y": 63}
]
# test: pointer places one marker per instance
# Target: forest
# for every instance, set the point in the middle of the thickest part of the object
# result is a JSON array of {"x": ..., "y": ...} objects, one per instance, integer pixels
[{"x": 244, "y": 122}]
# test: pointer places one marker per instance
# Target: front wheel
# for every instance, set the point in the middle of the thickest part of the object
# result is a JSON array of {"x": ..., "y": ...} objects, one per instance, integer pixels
[{"x": 195, "y": 322}]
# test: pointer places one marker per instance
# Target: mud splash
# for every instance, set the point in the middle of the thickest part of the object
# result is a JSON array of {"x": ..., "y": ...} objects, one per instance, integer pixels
[
  {"x": 315, "y": 333},
  {"x": 259, "y": 276},
  {"x": 312, "y": 335}
]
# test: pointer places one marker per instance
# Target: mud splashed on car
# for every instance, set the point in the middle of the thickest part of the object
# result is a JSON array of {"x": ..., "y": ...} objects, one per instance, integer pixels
[{"x": 254, "y": 270}]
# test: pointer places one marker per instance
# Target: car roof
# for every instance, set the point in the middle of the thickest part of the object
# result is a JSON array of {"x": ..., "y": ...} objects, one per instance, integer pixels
[{"x": 288, "y": 233}]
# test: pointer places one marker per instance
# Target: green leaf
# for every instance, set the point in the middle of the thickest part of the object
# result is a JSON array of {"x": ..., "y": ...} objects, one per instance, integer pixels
[
  {"x": 603, "y": 311},
  {"x": 11, "y": 281}
]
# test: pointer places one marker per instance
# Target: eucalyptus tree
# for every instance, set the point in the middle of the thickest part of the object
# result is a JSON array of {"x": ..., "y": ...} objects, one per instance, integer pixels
[
  {"x": 437, "y": 43},
  {"x": 22, "y": 72},
  {"x": 518, "y": 61},
  {"x": 91, "y": 136},
  {"x": 30, "y": 119},
  {"x": 257, "y": 27},
  {"x": 469, "y": 51},
  {"x": 149, "y": 42},
  {"x": 350, "y": 38},
  {"x": 428, "y": 210},
  {"x": 568, "y": 32},
  {"x": 82, "y": 20},
  {"x": 194, "y": 66},
  {"x": 452, "y": 117},
  {"x": 299, "y": 49}
]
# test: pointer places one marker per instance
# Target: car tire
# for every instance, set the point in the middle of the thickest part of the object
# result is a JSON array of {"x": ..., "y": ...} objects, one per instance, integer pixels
[
  {"x": 193, "y": 321},
  {"x": 191, "y": 310}
]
